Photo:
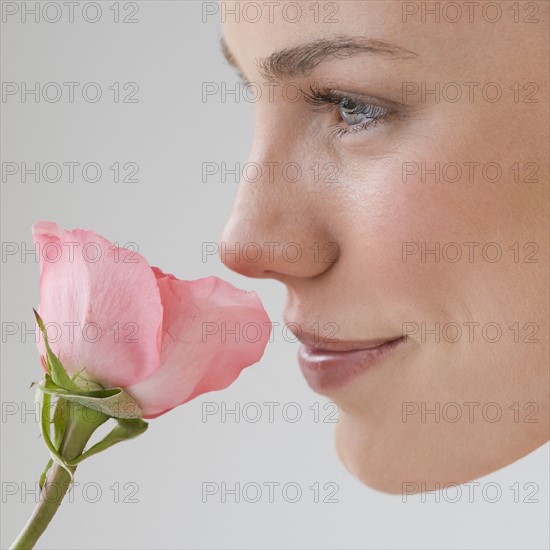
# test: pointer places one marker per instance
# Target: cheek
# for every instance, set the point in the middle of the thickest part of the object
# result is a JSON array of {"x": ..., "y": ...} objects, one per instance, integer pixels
[
  {"x": 430, "y": 225},
  {"x": 390, "y": 228}
]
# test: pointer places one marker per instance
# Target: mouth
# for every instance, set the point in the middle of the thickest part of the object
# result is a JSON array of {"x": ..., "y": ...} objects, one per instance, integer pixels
[{"x": 329, "y": 365}]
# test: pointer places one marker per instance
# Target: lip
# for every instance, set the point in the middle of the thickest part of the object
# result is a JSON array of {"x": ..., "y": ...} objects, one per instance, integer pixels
[
  {"x": 332, "y": 344},
  {"x": 329, "y": 365}
]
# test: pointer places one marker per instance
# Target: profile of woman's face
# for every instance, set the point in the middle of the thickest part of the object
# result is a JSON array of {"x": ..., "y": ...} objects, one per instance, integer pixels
[{"x": 403, "y": 202}]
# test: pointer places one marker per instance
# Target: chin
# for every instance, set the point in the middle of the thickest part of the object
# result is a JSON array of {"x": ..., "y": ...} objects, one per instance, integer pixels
[{"x": 390, "y": 461}]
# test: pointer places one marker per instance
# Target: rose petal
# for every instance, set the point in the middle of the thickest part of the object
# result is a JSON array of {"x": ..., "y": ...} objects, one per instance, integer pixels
[
  {"x": 110, "y": 296},
  {"x": 194, "y": 359}
]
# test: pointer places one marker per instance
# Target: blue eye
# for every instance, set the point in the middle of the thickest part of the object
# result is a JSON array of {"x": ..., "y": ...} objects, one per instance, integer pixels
[
  {"x": 356, "y": 115},
  {"x": 353, "y": 113}
]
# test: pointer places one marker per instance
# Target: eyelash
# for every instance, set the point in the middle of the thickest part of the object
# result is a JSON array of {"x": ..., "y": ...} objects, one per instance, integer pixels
[{"x": 320, "y": 98}]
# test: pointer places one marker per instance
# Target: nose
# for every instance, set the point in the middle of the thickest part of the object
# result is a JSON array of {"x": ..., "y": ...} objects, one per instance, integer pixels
[{"x": 279, "y": 226}]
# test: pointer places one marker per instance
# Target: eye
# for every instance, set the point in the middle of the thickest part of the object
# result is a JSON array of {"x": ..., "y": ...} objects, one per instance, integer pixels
[
  {"x": 353, "y": 112},
  {"x": 356, "y": 114}
]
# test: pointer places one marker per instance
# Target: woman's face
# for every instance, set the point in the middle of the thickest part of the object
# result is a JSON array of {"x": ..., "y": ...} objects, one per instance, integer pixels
[{"x": 411, "y": 174}]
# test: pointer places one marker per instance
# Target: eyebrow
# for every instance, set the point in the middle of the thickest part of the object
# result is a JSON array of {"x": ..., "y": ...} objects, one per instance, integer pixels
[{"x": 299, "y": 61}]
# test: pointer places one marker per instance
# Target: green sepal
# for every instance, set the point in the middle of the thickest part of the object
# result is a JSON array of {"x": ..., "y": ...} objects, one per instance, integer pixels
[
  {"x": 124, "y": 430},
  {"x": 55, "y": 368},
  {"x": 59, "y": 421},
  {"x": 114, "y": 402},
  {"x": 45, "y": 409}
]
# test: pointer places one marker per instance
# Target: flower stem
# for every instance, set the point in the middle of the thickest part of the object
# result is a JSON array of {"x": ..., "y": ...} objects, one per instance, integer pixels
[{"x": 82, "y": 422}]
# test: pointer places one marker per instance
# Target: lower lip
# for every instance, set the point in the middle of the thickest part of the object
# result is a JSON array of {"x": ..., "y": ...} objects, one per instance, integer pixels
[{"x": 328, "y": 370}]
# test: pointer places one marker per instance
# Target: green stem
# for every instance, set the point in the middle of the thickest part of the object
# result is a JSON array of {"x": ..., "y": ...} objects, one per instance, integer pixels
[{"x": 80, "y": 427}]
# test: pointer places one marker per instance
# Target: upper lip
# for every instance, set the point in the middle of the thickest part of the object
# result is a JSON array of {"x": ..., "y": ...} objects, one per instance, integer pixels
[{"x": 327, "y": 343}]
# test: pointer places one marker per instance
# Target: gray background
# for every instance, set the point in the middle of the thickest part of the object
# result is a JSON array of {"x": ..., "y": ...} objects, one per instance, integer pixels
[{"x": 169, "y": 213}]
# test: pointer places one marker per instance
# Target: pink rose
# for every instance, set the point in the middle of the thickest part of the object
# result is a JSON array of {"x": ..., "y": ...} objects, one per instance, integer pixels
[{"x": 130, "y": 325}]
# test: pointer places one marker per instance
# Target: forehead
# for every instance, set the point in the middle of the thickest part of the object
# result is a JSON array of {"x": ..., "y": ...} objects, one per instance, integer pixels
[{"x": 448, "y": 35}]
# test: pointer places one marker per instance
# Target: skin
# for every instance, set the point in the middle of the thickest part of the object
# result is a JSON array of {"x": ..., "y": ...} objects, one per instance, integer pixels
[{"x": 370, "y": 292}]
